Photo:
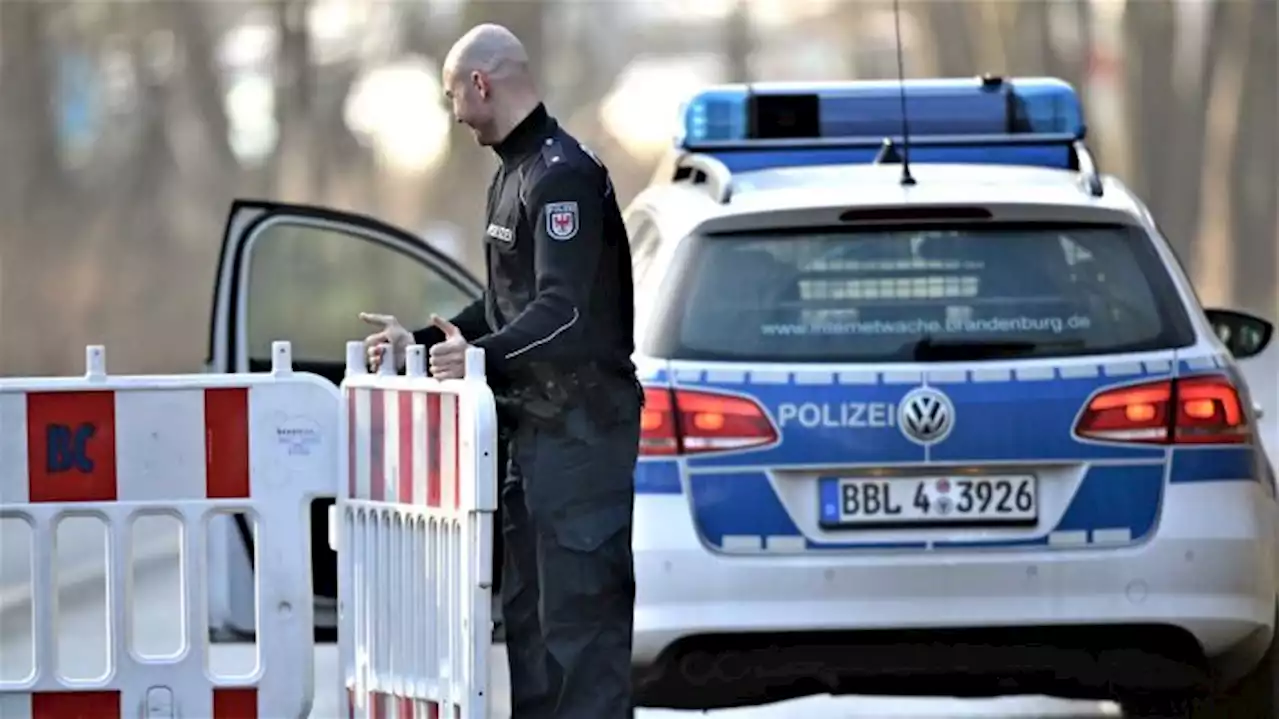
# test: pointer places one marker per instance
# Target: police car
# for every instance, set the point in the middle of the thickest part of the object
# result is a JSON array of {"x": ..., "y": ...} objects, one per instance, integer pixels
[{"x": 965, "y": 434}]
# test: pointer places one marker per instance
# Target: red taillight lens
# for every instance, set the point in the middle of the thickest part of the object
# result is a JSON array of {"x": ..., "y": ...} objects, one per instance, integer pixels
[
  {"x": 658, "y": 434},
  {"x": 1189, "y": 410},
  {"x": 1209, "y": 412},
  {"x": 693, "y": 421},
  {"x": 1139, "y": 413}
]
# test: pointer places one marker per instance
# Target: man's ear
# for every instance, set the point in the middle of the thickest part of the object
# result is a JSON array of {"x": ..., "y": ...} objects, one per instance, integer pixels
[{"x": 481, "y": 84}]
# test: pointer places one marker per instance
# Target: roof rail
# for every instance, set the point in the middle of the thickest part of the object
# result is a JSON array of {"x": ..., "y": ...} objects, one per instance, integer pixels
[
  {"x": 1088, "y": 170},
  {"x": 707, "y": 171},
  {"x": 1090, "y": 180}
]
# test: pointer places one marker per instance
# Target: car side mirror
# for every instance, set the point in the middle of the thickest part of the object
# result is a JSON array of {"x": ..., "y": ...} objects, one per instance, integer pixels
[{"x": 1244, "y": 335}]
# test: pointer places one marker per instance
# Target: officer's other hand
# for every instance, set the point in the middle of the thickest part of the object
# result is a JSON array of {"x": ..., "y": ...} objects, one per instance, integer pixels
[
  {"x": 448, "y": 358},
  {"x": 392, "y": 333}
]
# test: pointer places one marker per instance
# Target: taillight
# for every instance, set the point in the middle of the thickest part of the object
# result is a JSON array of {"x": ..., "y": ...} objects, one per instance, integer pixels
[
  {"x": 1138, "y": 413},
  {"x": 686, "y": 421},
  {"x": 658, "y": 435},
  {"x": 1209, "y": 412},
  {"x": 1204, "y": 409}
]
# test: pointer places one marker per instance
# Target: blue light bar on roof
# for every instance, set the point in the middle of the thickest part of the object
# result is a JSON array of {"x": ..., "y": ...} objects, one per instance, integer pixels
[{"x": 1027, "y": 121}]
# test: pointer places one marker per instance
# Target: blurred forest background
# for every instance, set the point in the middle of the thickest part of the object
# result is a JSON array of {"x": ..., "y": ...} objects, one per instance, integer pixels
[{"x": 126, "y": 128}]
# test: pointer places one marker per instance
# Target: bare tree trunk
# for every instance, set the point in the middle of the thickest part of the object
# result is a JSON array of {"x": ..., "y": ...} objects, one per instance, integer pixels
[
  {"x": 1253, "y": 177},
  {"x": 31, "y": 227},
  {"x": 738, "y": 43},
  {"x": 1031, "y": 48},
  {"x": 1211, "y": 249},
  {"x": 130, "y": 261},
  {"x": 344, "y": 164},
  {"x": 942, "y": 23},
  {"x": 1149, "y": 33},
  {"x": 32, "y": 167},
  {"x": 414, "y": 31},
  {"x": 926, "y": 55},
  {"x": 208, "y": 172},
  {"x": 295, "y": 179},
  {"x": 991, "y": 20},
  {"x": 202, "y": 84},
  {"x": 1179, "y": 186}
]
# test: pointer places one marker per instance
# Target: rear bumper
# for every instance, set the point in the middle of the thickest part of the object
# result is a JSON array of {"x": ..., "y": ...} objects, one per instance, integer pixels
[{"x": 1210, "y": 569}]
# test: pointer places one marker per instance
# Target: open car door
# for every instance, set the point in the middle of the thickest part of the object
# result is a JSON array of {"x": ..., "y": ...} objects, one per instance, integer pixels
[{"x": 303, "y": 274}]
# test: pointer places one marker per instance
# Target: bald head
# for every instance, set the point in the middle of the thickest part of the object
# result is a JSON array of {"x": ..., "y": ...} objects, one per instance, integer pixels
[
  {"x": 487, "y": 80},
  {"x": 490, "y": 49}
]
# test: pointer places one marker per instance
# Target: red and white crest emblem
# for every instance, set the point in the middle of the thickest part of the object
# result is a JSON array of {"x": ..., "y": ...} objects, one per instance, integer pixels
[{"x": 562, "y": 220}]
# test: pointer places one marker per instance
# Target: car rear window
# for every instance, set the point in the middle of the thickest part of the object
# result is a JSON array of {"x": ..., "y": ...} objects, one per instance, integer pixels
[{"x": 903, "y": 294}]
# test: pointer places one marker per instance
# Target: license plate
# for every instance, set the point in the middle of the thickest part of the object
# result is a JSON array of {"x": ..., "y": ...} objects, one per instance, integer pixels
[{"x": 852, "y": 502}]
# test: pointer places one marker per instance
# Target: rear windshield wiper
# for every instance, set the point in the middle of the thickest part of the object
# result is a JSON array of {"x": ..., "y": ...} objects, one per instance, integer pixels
[{"x": 930, "y": 349}]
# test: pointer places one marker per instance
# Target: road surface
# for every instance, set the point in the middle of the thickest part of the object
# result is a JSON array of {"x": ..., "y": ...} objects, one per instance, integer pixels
[{"x": 82, "y": 648}]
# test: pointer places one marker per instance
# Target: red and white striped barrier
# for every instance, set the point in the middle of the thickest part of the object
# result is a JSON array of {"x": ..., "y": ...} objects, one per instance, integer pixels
[
  {"x": 416, "y": 534},
  {"x": 411, "y": 459},
  {"x": 188, "y": 447}
]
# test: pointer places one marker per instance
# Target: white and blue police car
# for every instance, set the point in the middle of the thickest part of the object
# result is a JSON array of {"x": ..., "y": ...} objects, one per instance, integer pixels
[{"x": 969, "y": 434}]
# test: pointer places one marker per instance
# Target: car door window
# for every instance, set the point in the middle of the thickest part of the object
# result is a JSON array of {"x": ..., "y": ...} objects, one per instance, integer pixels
[{"x": 307, "y": 283}]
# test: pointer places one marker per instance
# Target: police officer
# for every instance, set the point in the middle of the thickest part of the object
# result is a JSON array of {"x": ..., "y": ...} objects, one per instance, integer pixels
[{"x": 556, "y": 325}]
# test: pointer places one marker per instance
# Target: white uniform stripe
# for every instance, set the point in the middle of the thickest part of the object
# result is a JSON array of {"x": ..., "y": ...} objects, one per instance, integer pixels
[
  {"x": 160, "y": 445},
  {"x": 13, "y": 453},
  {"x": 391, "y": 445},
  {"x": 364, "y": 463},
  {"x": 419, "y": 448},
  {"x": 548, "y": 338}
]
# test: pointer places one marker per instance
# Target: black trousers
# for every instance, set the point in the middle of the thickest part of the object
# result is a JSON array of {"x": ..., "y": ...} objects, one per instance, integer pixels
[{"x": 568, "y": 585}]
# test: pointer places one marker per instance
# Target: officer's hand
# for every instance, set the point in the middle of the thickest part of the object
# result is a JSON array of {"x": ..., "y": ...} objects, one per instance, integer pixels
[
  {"x": 448, "y": 358},
  {"x": 392, "y": 333}
]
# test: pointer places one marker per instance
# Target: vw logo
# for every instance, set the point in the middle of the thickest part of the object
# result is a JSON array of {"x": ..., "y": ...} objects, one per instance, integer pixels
[{"x": 926, "y": 416}]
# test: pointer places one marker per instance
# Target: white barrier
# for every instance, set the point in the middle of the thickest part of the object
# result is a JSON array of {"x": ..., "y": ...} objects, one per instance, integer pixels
[
  {"x": 411, "y": 459},
  {"x": 416, "y": 535},
  {"x": 186, "y": 447}
]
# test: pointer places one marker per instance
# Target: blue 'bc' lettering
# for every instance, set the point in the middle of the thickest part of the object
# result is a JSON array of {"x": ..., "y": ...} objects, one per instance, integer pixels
[{"x": 68, "y": 448}]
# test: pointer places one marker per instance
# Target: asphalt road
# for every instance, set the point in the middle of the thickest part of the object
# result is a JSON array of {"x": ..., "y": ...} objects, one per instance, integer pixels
[{"x": 82, "y": 648}]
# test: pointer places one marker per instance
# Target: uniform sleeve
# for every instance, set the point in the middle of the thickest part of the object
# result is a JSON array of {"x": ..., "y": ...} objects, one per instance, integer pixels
[
  {"x": 566, "y": 213},
  {"x": 471, "y": 320}
]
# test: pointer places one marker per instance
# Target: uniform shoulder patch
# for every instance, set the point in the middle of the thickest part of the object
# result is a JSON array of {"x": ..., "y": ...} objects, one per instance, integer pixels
[{"x": 562, "y": 220}]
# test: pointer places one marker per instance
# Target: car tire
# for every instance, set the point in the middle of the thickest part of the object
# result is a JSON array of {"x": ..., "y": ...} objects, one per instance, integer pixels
[
  {"x": 1253, "y": 697},
  {"x": 1158, "y": 706}
]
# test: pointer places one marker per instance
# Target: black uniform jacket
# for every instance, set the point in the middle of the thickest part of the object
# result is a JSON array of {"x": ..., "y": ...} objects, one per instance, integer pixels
[{"x": 559, "y": 267}]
